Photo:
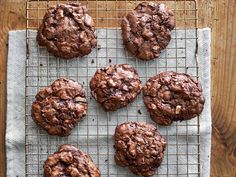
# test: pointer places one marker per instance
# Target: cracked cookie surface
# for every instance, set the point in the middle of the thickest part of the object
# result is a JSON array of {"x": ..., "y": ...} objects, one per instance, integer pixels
[
  {"x": 147, "y": 29},
  {"x": 115, "y": 86},
  {"x": 69, "y": 161},
  {"x": 59, "y": 107},
  {"x": 67, "y": 31},
  {"x": 140, "y": 147},
  {"x": 171, "y": 96}
]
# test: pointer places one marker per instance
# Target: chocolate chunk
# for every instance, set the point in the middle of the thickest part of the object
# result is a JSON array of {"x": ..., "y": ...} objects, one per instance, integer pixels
[
  {"x": 147, "y": 29},
  {"x": 140, "y": 147},
  {"x": 67, "y": 31},
  {"x": 115, "y": 86},
  {"x": 69, "y": 161},
  {"x": 59, "y": 107},
  {"x": 171, "y": 96}
]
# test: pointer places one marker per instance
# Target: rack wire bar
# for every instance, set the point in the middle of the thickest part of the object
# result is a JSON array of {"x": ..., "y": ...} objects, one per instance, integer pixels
[{"x": 94, "y": 134}]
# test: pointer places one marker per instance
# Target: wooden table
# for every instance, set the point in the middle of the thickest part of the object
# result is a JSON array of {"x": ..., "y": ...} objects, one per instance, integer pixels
[{"x": 220, "y": 15}]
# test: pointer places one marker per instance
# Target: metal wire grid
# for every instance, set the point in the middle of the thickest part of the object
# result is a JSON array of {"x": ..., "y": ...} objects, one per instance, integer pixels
[{"x": 94, "y": 135}]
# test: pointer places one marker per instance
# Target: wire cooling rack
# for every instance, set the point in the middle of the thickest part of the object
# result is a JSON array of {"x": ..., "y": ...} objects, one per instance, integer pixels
[{"x": 94, "y": 134}]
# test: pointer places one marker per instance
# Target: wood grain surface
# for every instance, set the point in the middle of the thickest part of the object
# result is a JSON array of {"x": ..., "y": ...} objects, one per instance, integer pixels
[{"x": 220, "y": 15}]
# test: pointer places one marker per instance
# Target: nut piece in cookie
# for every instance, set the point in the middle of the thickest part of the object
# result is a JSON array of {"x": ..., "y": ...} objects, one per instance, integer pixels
[
  {"x": 59, "y": 107},
  {"x": 70, "y": 161},
  {"x": 140, "y": 147},
  {"x": 171, "y": 96},
  {"x": 67, "y": 31},
  {"x": 147, "y": 29},
  {"x": 115, "y": 86}
]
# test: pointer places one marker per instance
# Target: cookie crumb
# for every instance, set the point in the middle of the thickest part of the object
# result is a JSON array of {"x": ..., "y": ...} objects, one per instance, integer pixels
[{"x": 139, "y": 111}]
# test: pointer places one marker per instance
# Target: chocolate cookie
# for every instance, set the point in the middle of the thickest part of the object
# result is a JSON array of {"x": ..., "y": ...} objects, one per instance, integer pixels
[
  {"x": 67, "y": 31},
  {"x": 115, "y": 86},
  {"x": 147, "y": 29},
  {"x": 140, "y": 147},
  {"x": 59, "y": 107},
  {"x": 69, "y": 161},
  {"x": 171, "y": 96}
]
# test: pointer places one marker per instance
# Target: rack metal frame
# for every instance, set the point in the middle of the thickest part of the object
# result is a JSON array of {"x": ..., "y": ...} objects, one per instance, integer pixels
[{"x": 106, "y": 14}]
